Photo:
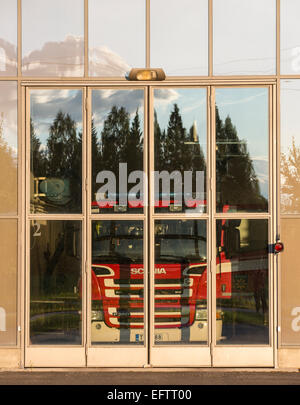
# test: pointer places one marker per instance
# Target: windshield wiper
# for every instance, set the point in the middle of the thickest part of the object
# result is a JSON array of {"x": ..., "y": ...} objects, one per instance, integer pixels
[
  {"x": 179, "y": 259},
  {"x": 116, "y": 257}
]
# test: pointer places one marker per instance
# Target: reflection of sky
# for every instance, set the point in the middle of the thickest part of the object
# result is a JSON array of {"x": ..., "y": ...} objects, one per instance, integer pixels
[
  {"x": 50, "y": 21},
  {"x": 8, "y": 37},
  {"x": 290, "y": 37},
  {"x": 248, "y": 109},
  {"x": 192, "y": 107},
  {"x": 179, "y": 36},
  {"x": 244, "y": 37},
  {"x": 45, "y": 104},
  {"x": 118, "y": 26},
  {"x": 104, "y": 100},
  {"x": 8, "y": 21}
]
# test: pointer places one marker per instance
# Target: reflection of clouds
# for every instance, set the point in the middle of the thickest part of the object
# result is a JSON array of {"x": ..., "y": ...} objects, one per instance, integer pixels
[
  {"x": 104, "y": 100},
  {"x": 131, "y": 100},
  {"x": 8, "y": 58},
  {"x": 65, "y": 58},
  {"x": 45, "y": 104},
  {"x": 104, "y": 62},
  {"x": 164, "y": 99}
]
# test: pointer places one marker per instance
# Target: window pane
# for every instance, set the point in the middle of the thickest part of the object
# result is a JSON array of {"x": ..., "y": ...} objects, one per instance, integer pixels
[
  {"x": 52, "y": 37},
  {"x": 289, "y": 37},
  {"x": 180, "y": 131},
  {"x": 242, "y": 156},
  {"x": 116, "y": 36},
  {"x": 180, "y": 273},
  {"x": 242, "y": 286},
  {"x": 117, "y": 151},
  {"x": 244, "y": 37},
  {"x": 56, "y": 151},
  {"x": 8, "y": 285},
  {"x": 8, "y": 37},
  {"x": 8, "y": 148},
  {"x": 290, "y": 147},
  {"x": 179, "y": 36},
  {"x": 55, "y": 282},
  {"x": 117, "y": 282},
  {"x": 290, "y": 282}
]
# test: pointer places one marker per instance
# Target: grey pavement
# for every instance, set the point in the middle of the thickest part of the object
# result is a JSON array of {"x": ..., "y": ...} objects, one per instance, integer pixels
[{"x": 153, "y": 377}]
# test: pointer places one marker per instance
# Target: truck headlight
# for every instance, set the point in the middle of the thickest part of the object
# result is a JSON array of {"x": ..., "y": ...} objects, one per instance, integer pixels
[
  {"x": 97, "y": 316},
  {"x": 201, "y": 314}
]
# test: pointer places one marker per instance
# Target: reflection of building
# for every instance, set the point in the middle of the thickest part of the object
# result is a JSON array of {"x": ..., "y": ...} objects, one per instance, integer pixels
[{"x": 171, "y": 285}]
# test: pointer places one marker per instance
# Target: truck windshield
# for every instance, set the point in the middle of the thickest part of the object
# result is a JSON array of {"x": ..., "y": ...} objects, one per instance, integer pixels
[{"x": 122, "y": 242}]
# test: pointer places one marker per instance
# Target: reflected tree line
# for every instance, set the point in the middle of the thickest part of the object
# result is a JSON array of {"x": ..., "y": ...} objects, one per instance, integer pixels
[
  {"x": 237, "y": 182},
  {"x": 290, "y": 179},
  {"x": 176, "y": 148}
]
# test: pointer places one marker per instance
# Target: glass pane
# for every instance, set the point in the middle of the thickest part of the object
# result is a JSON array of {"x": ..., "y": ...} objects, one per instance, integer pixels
[
  {"x": 8, "y": 38},
  {"x": 8, "y": 148},
  {"x": 56, "y": 151},
  {"x": 289, "y": 37},
  {"x": 290, "y": 147},
  {"x": 8, "y": 285},
  {"x": 242, "y": 157},
  {"x": 181, "y": 282},
  {"x": 244, "y": 37},
  {"x": 117, "y": 151},
  {"x": 117, "y": 36},
  {"x": 242, "y": 286},
  {"x": 52, "y": 38},
  {"x": 180, "y": 130},
  {"x": 117, "y": 282},
  {"x": 290, "y": 282},
  {"x": 55, "y": 281},
  {"x": 179, "y": 37}
]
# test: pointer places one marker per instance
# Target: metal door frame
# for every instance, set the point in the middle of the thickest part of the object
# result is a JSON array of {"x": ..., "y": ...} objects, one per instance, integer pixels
[{"x": 180, "y": 355}]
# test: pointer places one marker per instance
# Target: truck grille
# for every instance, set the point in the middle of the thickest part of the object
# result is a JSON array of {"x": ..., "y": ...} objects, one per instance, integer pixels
[{"x": 123, "y": 303}]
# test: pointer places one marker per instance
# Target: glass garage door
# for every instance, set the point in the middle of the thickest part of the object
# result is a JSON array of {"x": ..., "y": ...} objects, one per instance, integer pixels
[{"x": 149, "y": 217}]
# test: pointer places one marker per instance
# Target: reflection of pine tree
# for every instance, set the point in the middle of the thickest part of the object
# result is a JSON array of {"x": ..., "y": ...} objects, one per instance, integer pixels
[
  {"x": 132, "y": 152},
  {"x": 237, "y": 183},
  {"x": 113, "y": 137},
  {"x": 177, "y": 148},
  {"x": 197, "y": 155},
  {"x": 64, "y": 156},
  {"x": 97, "y": 163},
  {"x": 159, "y": 144},
  {"x": 176, "y": 152},
  {"x": 62, "y": 147},
  {"x": 121, "y": 142},
  {"x": 290, "y": 183},
  {"x": 38, "y": 158}
]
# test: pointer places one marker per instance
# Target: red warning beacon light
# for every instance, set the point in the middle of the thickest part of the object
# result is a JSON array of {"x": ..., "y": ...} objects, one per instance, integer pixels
[{"x": 279, "y": 247}]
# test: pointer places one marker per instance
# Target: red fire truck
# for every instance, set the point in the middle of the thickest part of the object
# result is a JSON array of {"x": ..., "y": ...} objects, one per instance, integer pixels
[{"x": 180, "y": 282}]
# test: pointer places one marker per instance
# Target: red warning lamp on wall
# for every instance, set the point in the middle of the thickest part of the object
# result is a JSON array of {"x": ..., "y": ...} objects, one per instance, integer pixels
[{"x": 278, "y": 247}]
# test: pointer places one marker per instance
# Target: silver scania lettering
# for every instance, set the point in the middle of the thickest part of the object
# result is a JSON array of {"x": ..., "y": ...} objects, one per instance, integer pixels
[{"x": 140, "y": 270}]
